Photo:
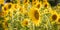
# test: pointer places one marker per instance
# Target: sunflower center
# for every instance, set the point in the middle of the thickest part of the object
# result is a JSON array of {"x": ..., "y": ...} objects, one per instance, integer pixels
[
  {"x": 36, "y": 14},
  {"x": 5, "y": 8},
  {"x": 38, "y": 6},
  {"x": 26, "y": 22},
  {"x": 54, "y": 17},
  {"x": 25, "y": 1},
  {"x": 59, "y": 20},
  {"x": 9, "y": 6},
  {"x": 45, "y": 5}
]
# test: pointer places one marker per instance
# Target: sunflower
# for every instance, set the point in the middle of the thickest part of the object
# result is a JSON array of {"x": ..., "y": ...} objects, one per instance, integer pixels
[
  {"x": 10, "y": 5},
  {"x": 46, "y": 4},
  {"x": 1, "y": 1},
  {"x": 39, "y": 5},
  {"x": 5, "y": 7},
  {"x": 15, "y": 6},
  {"x": 21, "y": 9},
  {"x": 58, "y": 20},
  {"x": 26, "y": 1},
  {"x": 34, "y": 16},
  {"x": 24, "y": 22},
  {"x": 54, "y": 16}
]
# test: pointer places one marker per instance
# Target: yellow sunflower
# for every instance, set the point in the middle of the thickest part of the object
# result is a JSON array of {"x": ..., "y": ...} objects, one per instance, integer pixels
[
  {"x": 26, "y": 1},
  {"x": 5, "y": 7},
  {"x": 34, "y": 16},
  {"x": 1, "y": 1},
  {"x": 10, "y": 5},
  {"x": 24, "y": 22},
  {"x": 34, "y": 2},
  {"x": 5, "y": 10},
  {"x": 21, "y": 9},
  {"x": 39, "y": 5},
  {"x": 15, "y": 6},
  {"x": 54, "y": 16},
  {"x": 58, "y": 20},
  {"x": 46, "y": 4}
]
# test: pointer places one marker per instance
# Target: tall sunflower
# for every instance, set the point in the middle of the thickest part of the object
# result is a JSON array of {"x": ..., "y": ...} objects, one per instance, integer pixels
[
  {"x": 34, "y": 16},
  {"x": 54, "y": 16}
]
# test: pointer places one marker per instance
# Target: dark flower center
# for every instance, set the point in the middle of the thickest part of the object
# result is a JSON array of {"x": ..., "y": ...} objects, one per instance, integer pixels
[
  {"x": 36, "y": 14},
  {"x": 38, "y": 6},
  {"x": 5, "y": 8},
  {"x": 25, "y": 1},
  {"x": 59, "y": 20},
  {"x": 54, "y": 17},
  {"x": 45, "y": 5},
  {"x": 9, "y": 6}
]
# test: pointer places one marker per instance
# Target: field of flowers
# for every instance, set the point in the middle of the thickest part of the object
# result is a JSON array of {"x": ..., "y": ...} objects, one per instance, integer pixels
[{"x": 29, "y": 15}]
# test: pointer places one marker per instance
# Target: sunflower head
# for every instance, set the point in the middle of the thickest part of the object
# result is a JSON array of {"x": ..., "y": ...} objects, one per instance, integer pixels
[
  {"x": 54, "y": 16},
  {"x": 38, "y": 5},
  {"x": 15, "y": 6},
  {"x": 5, "y": 7},
  {"x": 34, "y": 16},
  {"x": 24, "y": 22},
  {"x": 26, "y": 1},
  {"x": 46, "y": 4},
  {"x": 58, "y": 20},
  {"x": 34, "y": 2},
  {"x": 9, "y": 5}
]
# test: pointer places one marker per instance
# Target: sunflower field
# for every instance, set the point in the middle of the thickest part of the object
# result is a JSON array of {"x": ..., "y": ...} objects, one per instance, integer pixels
[{"x": 29, "y": 14}]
